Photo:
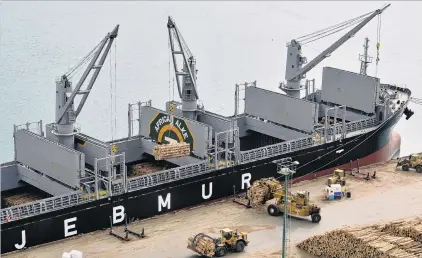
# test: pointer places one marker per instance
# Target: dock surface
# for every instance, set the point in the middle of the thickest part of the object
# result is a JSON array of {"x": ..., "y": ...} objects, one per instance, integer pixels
[{"x": 393, "y": 194}]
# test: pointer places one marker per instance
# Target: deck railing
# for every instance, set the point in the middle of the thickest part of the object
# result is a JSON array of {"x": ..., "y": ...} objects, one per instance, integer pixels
[
  {"x": 43, "y": 206},
  {"x": 166, "y": 176},
  {"x": 157, "y": 178}
]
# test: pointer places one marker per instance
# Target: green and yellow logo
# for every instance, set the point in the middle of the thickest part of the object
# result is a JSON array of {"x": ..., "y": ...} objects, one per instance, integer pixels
[{"x": 162, "y": 131}]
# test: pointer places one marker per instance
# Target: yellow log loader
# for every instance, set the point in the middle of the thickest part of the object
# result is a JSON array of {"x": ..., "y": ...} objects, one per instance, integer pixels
[
  {"x": 208, "y": 246},
  {"x": 339, "y": 177},
  {"x": 414, "y": 161},
  {"x": 298, "y": 205}
]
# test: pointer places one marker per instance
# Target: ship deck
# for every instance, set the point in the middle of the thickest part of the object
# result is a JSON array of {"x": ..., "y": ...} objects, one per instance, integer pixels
[
  {"x": 387, "y": 197},
  {"x": 22, "y": 195}
]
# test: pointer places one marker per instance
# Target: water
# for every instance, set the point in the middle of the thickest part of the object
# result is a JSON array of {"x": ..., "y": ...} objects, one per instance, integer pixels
[{"x": 233, "y": 42}]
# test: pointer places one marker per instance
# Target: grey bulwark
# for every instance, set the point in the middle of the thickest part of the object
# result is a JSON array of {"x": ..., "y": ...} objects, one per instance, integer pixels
[
  {"x": 282, "y": 109},
  {"x": 51, "y": 158},
  {"x": 350, "y": 89}
]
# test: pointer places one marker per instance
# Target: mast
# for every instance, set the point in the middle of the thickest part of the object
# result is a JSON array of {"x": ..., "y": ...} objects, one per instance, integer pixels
[
  {"x": 365, "y": 59},
  {"x": 295, "y": 60},
  {"x": 65, "y": 111},
  {"x": 187, "y": 87}
]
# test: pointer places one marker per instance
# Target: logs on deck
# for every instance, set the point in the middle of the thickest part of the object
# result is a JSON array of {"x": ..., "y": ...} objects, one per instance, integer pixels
[
  {"x": 262, "y": 190},
  {"x": 171, "y": 150},
  {"x": 21, "y": 198},
  {"x": 396, "y": 239},
  {"x": 202, "y": 244},
  {"x": 143, "y": 169}
]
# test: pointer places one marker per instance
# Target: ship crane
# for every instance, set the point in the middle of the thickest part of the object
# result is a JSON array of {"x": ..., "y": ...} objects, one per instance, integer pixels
[
  {"x": 187, "y": 88},
  {"x": 294, "y": 70},
  {"x": 65, "y": 111}
]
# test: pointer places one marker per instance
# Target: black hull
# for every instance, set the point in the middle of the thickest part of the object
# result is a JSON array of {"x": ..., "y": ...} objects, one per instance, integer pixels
[{"x": 192, "y": 191}]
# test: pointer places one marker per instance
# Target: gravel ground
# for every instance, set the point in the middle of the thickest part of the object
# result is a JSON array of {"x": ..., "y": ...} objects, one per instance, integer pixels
[{"x": 392, "y": 195}]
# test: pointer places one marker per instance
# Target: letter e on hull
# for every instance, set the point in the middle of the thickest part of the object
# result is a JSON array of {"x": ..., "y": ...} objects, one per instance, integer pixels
[{"x": 68, "y": 226}]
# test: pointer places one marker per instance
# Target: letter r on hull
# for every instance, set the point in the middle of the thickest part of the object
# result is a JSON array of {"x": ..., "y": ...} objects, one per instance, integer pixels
[
  {"x": 23, "y": 241},
  {"x": 68, "y": 233},
  {"x": 164, "y": 203},
  {"x": 206, "y": 196},
  {"x": 246, "y": 179},
  {"x": 118, "y": 214}
]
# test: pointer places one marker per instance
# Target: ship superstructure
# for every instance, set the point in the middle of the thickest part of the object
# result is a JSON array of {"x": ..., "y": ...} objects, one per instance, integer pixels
[{"x": 351, "y": 117}]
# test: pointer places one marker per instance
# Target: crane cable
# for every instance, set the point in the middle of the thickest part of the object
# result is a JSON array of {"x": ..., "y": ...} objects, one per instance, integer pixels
[
  {"x": 115, "y": 88},
  {"x": 113, "y": 106},
  {"x": 111, "y": 97},
  {"x": 335, "y": 28},
  {"x": 83, "y": 61},
  {"x": 378, "y": 44},
  {"x": 170, "y": 76}
]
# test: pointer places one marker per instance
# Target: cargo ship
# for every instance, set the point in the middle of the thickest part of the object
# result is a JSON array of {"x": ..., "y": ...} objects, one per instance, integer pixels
[{"x": 63, "y": 182}]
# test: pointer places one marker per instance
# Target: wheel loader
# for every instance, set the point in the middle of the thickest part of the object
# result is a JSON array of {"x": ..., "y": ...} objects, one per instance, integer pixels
[
  {"x": 339, "y": 177},
  {"x": 208, "y": 246},
  {"x": 298, "y": 205},
  {"x": 414, "y": 161}
]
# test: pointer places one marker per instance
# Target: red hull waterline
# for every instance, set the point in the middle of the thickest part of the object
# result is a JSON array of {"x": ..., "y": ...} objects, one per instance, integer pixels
[{"x": 388, "y": 152}]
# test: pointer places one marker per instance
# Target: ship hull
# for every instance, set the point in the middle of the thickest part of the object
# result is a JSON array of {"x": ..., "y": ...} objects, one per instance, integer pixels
[{"x": 371, "y": 147}]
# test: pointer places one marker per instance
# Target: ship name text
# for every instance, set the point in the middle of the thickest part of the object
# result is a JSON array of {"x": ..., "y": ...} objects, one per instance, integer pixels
[{"x": 164, "y": 204}]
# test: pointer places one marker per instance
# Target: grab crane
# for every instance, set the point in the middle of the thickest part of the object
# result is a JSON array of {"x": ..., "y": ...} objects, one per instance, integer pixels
[
  {"x": 65, "y": 112},
  {"x": 294, "y": 70},
  {"x": 187, "y": 88}
]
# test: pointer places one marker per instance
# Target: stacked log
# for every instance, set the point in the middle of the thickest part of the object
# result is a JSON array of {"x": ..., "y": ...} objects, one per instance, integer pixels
[
  {"x": 143, "y": 169},
  {"x": 384, "y": 241},
  {"x": 262, "y": 190},
  {"x": 405, "y": 228},
  {"x": 171, "y": 150},
  {"x": 21, "y": 198},
  {"x": 202, "y": 244}
]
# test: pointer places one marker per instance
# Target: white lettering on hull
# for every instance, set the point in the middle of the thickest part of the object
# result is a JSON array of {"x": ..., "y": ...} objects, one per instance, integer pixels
[
  {"x": 246, "y": 179},
  {"x": 206, "y": 196},
  {"x": 164, "y": 203},
  {"x": 118, "y": 214},
  {"x": 67, "y": 227},
  {"x": 20, "y": 246}
]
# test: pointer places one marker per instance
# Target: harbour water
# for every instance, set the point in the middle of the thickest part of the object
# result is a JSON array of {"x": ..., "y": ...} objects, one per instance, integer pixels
[{"x": 233, "y": 42}]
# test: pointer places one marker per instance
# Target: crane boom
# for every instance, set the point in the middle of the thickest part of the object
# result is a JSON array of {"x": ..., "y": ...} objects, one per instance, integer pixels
[
  {"x": 294, "y": 70},
  {"x": 336, "y": 44},
  {"x": 67, "y": 108},
  {"x": 65, "y": 95},
  {"x": 187, "y": 88}
]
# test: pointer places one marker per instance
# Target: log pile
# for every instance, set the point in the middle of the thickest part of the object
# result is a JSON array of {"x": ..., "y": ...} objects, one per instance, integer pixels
[
  {"x": 171, "y": 150},
  {"x": 396, "y": 239},
  {"x": 405, "y": 228},
  {"x": 262, "y": 190},
  {"x": 21, "y": 198},
  {"x": 202, "y": 244},
  {"x": 143, "y": 169}
]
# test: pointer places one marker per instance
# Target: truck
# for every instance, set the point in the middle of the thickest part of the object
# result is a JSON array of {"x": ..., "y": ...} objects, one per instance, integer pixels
[{"x": 208, "y": 246}]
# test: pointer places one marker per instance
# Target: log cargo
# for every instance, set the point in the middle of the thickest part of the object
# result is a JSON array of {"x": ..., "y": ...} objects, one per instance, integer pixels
[
  {"x": 171, "y": 150},
  {"x": 262, "y": 190},
  {"x": 21, "y": 198},
  {"x": 399, "y": 239},
  {"x": 202, "y": 244},
  {"x": 143, "y": 169}
]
